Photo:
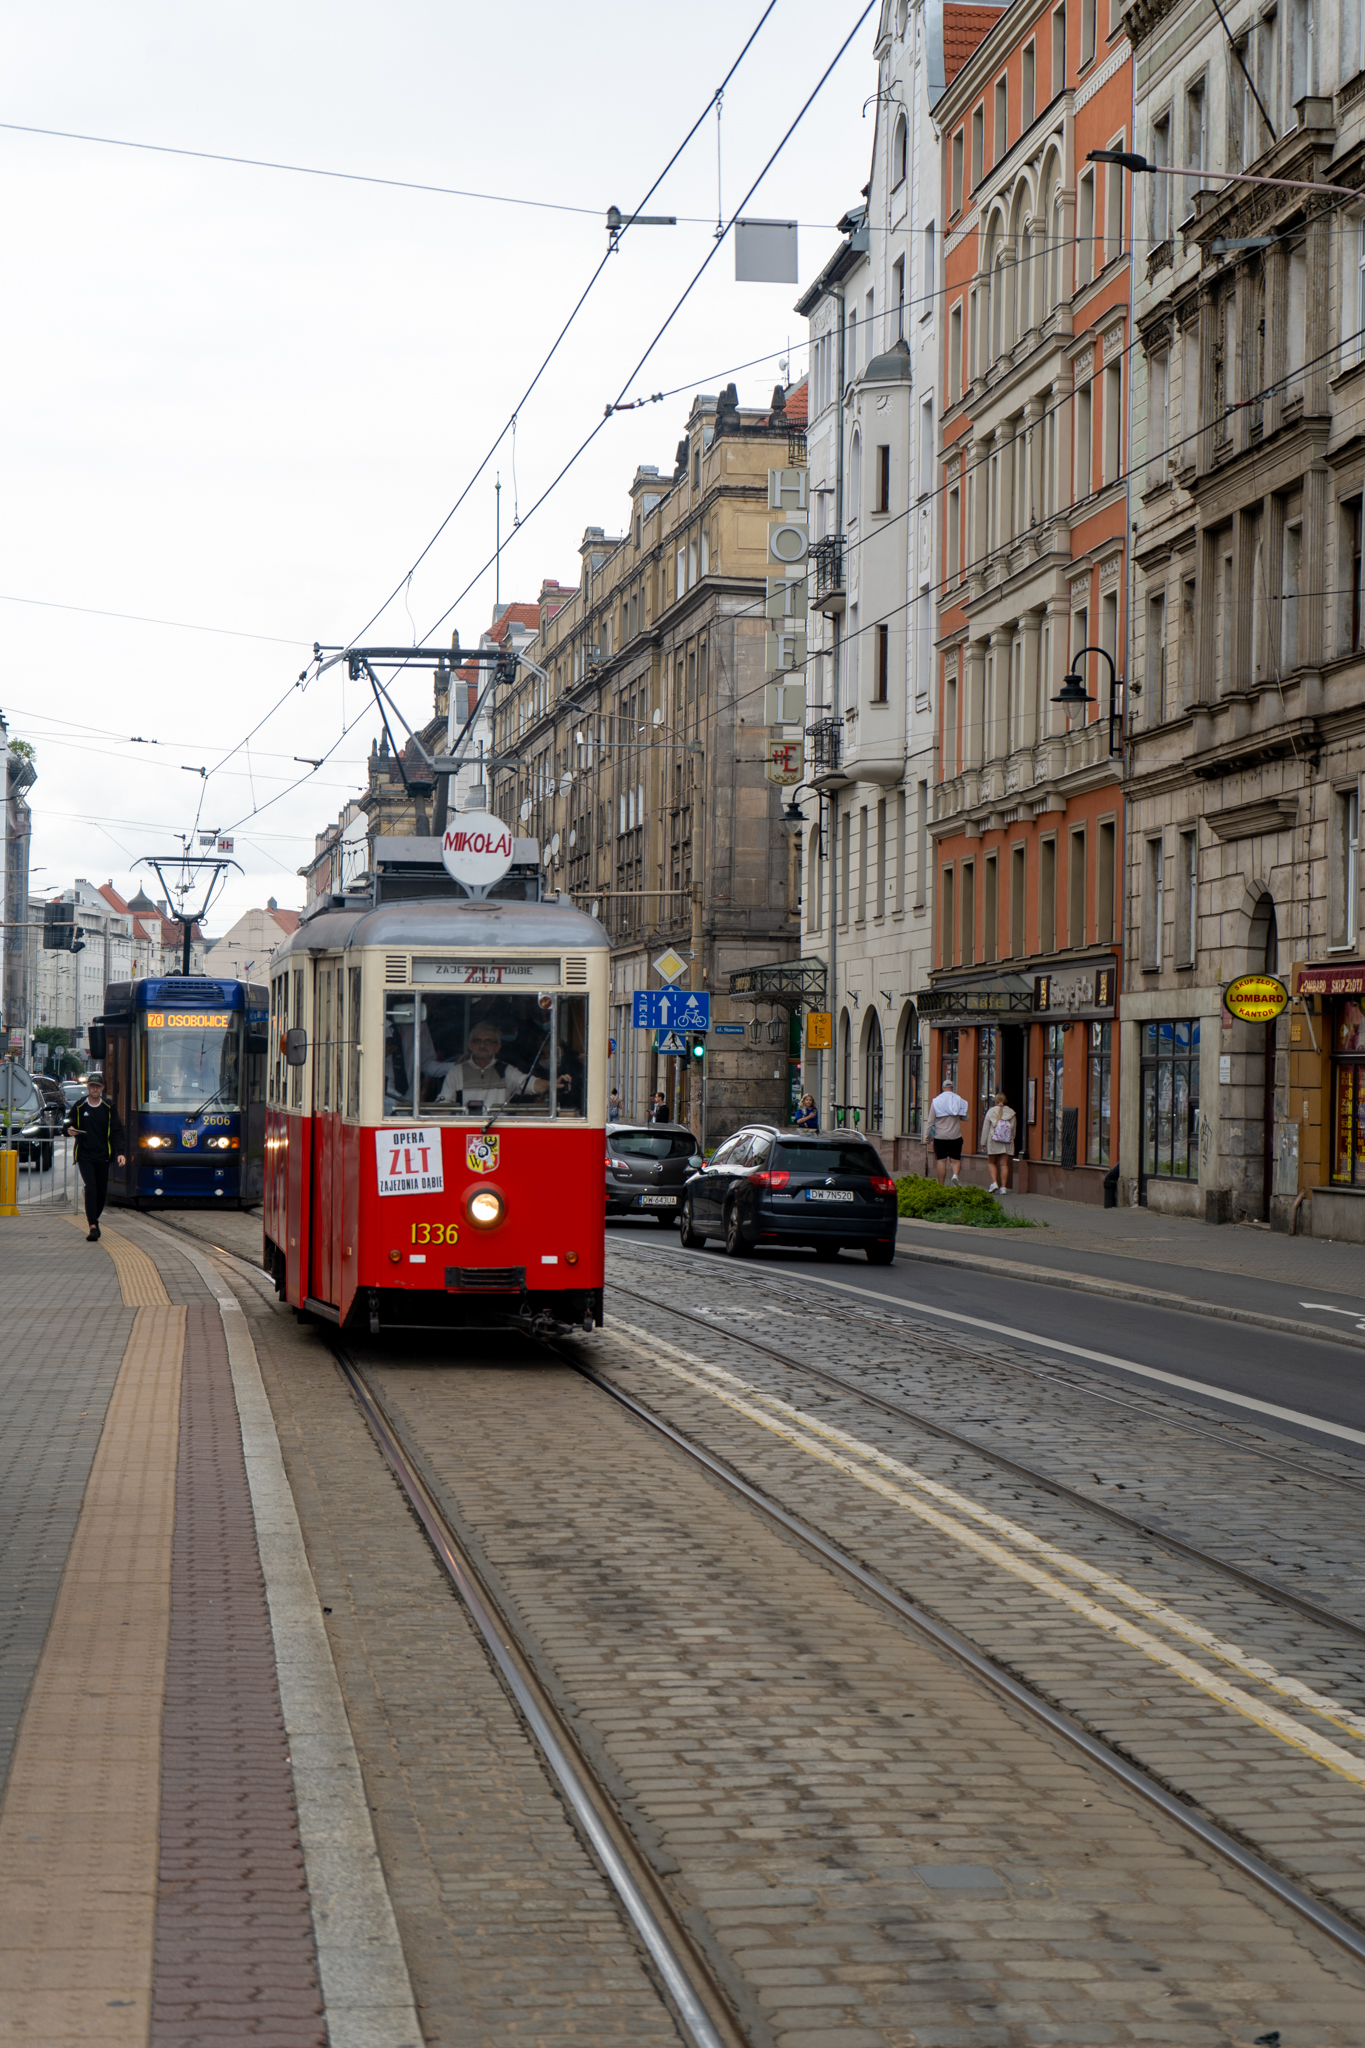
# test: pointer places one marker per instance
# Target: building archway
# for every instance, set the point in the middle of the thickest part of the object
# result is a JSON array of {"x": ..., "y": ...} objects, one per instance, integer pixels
[{"x": 874, "y": 1073}]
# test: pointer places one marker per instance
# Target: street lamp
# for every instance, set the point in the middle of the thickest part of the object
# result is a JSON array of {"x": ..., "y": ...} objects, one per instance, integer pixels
[
  {"x": 1129, "y": 160},
  {"x": 1073, "y": 695}
]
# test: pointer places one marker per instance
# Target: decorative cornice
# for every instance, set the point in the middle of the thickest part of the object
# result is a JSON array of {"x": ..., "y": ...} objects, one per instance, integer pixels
[
  {"x": 960, "y": 234},
  {"x": 1113, "y": 63}
]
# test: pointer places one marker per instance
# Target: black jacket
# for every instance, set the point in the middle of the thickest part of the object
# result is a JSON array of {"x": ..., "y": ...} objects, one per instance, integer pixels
[{"x": 99, "y": 1133}]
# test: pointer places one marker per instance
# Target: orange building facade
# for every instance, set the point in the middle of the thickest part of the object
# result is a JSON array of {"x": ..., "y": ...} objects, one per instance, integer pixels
[{"x": 1027, "y": 819}]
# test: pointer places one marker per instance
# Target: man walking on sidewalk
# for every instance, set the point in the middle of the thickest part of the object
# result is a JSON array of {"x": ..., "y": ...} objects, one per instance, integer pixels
[
  {"x": 946, "y": 1112},
  {"x": 99, "y": 1138}
]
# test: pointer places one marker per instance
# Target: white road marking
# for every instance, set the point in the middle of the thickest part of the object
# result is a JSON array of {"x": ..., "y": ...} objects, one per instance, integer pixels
[
  {"x": 1147, "y": 1372},
  {"x": 1329, "y": 1309},
  {"x": 742, "y": 1397}
]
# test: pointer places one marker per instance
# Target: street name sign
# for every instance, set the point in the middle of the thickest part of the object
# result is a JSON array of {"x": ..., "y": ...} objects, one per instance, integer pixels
[{"x": 672, "y": 1009}]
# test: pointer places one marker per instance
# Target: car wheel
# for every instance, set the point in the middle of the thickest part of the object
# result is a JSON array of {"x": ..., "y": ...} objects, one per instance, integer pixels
[
  {"x": 689, "y": 1237},
  {"x": 826, "y": 1252},
  {"x": 880, "y": 1254},
  {"x": 736, "y": 1244}
]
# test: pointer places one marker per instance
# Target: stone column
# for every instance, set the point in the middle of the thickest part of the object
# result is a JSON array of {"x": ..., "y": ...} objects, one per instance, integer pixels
[
  {"x": 1033, "y": 455},
  {"x": 971, "y": 687},
  {"x": 1031, "y": 629},
  {"x": 997, "y": 732},
  {"x": 1318, "y": 362},
  {"x": 1005, "y": 434},
  {"x": 1312, "y": 601},
  {"x": 1052, "y": 718}
]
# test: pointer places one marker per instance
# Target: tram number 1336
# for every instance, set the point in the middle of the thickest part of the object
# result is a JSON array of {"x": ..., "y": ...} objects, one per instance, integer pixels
[{"x": 435, "y": 1233}]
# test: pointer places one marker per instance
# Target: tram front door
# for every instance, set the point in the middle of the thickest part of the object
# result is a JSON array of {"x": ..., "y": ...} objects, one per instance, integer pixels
[{"x": 325, "y": 1166}]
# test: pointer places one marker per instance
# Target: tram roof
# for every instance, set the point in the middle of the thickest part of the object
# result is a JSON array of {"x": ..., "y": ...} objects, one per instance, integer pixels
[{"x": 447, "y": 921}]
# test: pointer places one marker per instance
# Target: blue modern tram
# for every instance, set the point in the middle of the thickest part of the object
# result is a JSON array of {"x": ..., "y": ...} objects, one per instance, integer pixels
[{"x": 184, "y": 1060}]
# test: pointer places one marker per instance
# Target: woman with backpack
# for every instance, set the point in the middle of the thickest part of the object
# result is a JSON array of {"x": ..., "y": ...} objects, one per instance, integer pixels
[{"x": 999, "y": 1128}]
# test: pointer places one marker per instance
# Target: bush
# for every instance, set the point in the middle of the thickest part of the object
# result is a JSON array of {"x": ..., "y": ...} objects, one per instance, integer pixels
[{"x": 919, "y": 1196}]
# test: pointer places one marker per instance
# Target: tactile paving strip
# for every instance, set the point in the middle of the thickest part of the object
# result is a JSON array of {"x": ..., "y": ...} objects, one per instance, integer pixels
[
  {"x": 139, "y": 1282},
  {"x": 78, "y": 1829}
]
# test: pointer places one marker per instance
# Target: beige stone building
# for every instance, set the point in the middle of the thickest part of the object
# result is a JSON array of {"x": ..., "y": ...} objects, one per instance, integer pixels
[
  {"x": 641, "y": 749},
  {"x": 1248, "y": 742}
]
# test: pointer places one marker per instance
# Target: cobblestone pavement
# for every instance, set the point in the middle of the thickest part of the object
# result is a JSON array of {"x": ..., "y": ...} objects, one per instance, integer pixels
[
  {"x": 511, "y": 1934},
  {"x": 881, "y": 1851},
  {"x": 1140, "y": 1645}
]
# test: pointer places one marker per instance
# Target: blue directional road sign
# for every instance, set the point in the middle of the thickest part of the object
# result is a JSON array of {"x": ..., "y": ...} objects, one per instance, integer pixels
[{"x": 672, "y": 1009}]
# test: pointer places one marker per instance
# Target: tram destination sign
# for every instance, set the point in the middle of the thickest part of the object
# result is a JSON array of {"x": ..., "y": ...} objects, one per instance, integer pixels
[
  {"x": 187, "y": 1020},
  {"x": 486, "y": 973},
  {"x": 409, "y": 1160}
]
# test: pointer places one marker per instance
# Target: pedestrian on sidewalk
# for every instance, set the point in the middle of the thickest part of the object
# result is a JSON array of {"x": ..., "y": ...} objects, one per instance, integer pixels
[
  {"x": 95, "y": 1126},
  {"x": 946, "y": 1112},
  {"x": 614, "y": 1106},
  {"x": 998, "y": 1129},
  {"x": 658, "y": 1113},
  {"x": 807, "y": 1115}
]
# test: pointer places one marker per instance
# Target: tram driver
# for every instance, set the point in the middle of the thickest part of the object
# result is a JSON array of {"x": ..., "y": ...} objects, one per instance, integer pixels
[{"x": 482, "y": 1079}]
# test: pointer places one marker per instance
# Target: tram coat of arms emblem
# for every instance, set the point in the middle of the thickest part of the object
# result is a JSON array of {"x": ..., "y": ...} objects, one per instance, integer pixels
[
  {"x": 481, "y": 1153},
  {"x": 189, "y": 1137}
]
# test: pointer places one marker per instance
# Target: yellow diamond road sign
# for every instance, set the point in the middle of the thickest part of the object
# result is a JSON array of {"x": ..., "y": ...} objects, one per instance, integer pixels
[{"x": 670, "y": 965}]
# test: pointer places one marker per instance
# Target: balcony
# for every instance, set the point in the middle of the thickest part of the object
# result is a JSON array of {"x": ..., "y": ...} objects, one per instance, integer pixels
[
  {"x": 827, "y": 565},
  {"x": 825, "y": 742}
]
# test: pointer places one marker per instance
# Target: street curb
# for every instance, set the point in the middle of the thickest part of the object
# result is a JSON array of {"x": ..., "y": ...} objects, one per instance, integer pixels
[{"x": 1115, "y": 1290}]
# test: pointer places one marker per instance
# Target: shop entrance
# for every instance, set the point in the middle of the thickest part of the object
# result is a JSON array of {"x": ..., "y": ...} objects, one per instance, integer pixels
[{"x": 1014, "y": 1077}]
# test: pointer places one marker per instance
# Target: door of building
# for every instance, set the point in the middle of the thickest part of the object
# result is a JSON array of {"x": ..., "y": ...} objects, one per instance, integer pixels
[{"x": 1014, "y": 1078}]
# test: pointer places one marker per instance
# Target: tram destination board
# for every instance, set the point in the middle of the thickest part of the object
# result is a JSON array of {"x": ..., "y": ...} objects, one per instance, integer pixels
[{"x": 486, "y": 973}]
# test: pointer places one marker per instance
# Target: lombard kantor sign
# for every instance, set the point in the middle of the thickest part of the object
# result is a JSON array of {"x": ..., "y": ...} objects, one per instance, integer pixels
[{"x": 1255, "y": 998}]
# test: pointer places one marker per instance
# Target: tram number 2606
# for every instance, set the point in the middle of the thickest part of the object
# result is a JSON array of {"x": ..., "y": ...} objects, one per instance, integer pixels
[{"x": 435, "y": 1233}]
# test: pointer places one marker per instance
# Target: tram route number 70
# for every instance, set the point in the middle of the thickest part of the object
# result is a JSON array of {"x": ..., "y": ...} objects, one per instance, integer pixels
[{"x": 435, "y": 1233}]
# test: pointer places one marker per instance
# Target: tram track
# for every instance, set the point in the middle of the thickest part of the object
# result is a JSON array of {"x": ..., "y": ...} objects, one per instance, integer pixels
[
  {"x": 710, "y": 2006},
  {"x": 1152, "y": 1532}
]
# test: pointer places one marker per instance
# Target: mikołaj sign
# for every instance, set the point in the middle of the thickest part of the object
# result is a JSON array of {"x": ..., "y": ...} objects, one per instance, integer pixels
[{"x": 477, "y": 848}]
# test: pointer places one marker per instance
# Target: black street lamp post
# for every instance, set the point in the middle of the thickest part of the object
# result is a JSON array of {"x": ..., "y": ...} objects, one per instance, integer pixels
[{"x": 1074, "y": 696}]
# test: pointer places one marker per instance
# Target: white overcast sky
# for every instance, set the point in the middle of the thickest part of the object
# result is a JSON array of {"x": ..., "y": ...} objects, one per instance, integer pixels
[{"x": 245, "y": 399}]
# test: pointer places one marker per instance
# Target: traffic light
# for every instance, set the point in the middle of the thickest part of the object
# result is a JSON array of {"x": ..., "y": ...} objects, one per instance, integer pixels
[
  {"x": 76, "y": 943},
  {"x": 698, "y": 1046}
]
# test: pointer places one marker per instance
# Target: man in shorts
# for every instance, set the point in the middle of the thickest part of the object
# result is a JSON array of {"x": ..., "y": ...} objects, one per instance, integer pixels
[{"x": 946, "y": 1112}]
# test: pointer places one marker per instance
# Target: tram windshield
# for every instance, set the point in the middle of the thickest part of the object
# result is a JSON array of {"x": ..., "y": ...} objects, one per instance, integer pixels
[
  {"x": 522, "y": 1054},
  {"x": 188, "y": 1058}
]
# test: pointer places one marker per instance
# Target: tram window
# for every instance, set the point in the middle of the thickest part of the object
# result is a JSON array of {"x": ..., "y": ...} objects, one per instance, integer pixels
[
  {"x": 353, "y": 1049},
  {"x": 339, "y": 1063},
  {"x": 186, "y": 1063},
  {"x": 522, "y": 1054}
]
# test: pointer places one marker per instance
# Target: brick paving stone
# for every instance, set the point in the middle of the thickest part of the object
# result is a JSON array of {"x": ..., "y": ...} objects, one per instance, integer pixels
[
  {"x": 234, "y": 1933},
  {"x": 511, "y": 1935},
  {"x": 65, "y": 1333},
  {"x": 790, "y": 1709},
  {"x": 1302, "y": 1814}
]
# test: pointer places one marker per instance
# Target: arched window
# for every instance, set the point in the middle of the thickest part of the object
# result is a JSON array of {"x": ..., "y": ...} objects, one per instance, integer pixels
[
  {"x": 908, "y": 1071},
  {"x": 843, "y": 1108},
  {"x": 898, "y": 150},
  {"x": 873, "y": 1073}
]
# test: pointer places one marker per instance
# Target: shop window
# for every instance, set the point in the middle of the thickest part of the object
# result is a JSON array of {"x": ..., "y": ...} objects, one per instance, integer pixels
[
  {"x": 1098, "y": 1077},
  {"x": 1052, "y": 1090},
  {"x": 1348, "y": 1093},
  {"x": 948, "y": 1041},
  {"x": 1170, "y": 1099},
  {"x": 873, "y": 1074},
  {"x": 907, "y": 1100}
]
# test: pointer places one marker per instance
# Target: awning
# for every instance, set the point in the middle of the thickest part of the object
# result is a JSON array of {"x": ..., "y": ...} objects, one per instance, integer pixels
[
  {"x": 1342, "y": 978},
  {"x": 1007, "y": 994}
]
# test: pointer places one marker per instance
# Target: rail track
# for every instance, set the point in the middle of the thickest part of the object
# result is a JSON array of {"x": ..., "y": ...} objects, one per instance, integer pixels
[
  {"x": 1178, "y": 1546},
  {"x": 695, "y": 1992}
]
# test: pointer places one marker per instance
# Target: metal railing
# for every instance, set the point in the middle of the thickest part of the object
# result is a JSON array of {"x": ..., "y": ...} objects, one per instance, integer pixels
[
  {"x": 57, "y": 1185},
  {"x": 827, "y": 560},
  {"x": 826, "y": 741}
]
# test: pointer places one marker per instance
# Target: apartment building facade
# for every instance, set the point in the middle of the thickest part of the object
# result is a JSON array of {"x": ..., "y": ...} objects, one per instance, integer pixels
[
  {"x": 1028, "y": 808},
  {"x": 642, "y": 750},
  {"x": 874, "y": 365},
  {"x": 1248, "y": 742}
]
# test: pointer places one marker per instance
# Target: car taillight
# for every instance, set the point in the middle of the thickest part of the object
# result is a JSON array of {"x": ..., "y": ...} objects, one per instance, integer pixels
[
  {"x": 771, "y": 1180},
  {"x": 882, "y": 1186},
  {"x": 619, "y": 1165}
]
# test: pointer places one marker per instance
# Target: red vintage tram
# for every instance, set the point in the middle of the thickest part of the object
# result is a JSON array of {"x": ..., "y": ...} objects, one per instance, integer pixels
[{"x": 436, "y": 1102}]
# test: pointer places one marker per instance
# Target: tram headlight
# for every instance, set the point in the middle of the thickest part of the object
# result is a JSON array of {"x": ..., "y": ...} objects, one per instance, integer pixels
[
  {"x": 222, "y": 1144},
  {"x": 155, "y": 1144},
  {"x": 485, "y": 1208}
]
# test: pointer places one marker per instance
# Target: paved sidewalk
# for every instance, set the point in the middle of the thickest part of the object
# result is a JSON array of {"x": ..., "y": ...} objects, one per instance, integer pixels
[
  {"x": 1172, "y": 1254},
  {"x": 154, "y": 1886}
]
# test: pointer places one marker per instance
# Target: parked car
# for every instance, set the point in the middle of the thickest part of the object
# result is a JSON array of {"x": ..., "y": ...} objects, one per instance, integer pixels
[
  {"x": 770, "y": 1186},
  {"x": 52, "y": 1094},
  {"x": 647, "y": 1165},
  {"x": 26, "y": 1121}
]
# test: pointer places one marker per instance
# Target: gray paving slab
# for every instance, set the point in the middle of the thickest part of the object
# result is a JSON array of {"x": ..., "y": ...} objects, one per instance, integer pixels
[{"x": 65, "y": 1330}]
